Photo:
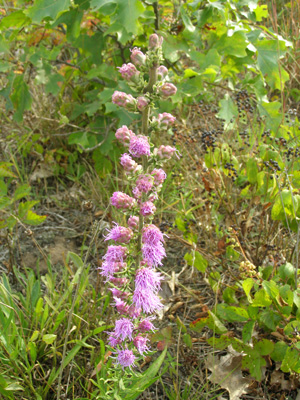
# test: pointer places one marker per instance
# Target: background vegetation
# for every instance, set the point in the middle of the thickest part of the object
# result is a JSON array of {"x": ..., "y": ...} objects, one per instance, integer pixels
[{"x": 230, "y": 207}]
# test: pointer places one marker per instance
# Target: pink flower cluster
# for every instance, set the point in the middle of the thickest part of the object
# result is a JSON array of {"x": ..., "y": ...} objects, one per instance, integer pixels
[{"x": 138, "y": 245}]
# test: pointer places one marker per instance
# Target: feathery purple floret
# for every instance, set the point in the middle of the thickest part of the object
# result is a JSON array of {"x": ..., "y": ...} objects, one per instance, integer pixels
[
  {"x": 153, "y": 254},
  {"x": 147, "y": 279},
  {"x": 140, "y": 342},
  {"x": 123, "y": 329},
  {"x": 125, "y": 358},
  {"x": 151, "y": 234},
  {"x": 148, "y": 301},
  {"x": 119, "y": 234}
]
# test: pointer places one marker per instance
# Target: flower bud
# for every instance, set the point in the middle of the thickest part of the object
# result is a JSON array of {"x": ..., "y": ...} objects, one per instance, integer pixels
[
  {"x": 142, "y": 103},
  {"x": 122, "y": 200},
  {"x": 139, "y": 146},
  {"x": 144, "y": 183},
  {"x": 162, "y": 72},
  {"x": 159, "y": 176},
  {"x": 128, "y": 163},
  {"x": 124, "y": 100},
  {"x": 124, "y": 135},
  {"x": 129, "y": 72},
  {"x": 167, "y": 89},
  {"x": 147, "y": 208},
  {"x": 133, "y": 222},
  {"x": 137, "y": 56},
  {"x": 165, "y": 120},
  {"x": 166, "y": 152},
  {"x": 155, "y": 41}
]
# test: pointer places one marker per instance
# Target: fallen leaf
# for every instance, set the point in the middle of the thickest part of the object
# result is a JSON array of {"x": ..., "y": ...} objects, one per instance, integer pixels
[{"x": 227, "y": 373}]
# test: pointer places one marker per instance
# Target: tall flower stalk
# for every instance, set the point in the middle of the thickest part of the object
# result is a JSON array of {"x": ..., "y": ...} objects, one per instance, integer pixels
[{"x": 138, "y": 248}]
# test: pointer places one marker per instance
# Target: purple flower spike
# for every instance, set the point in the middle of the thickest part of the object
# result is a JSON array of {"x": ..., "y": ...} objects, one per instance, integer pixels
[
  {"x": 122, "y": 200},
  {"x": 147, "y": 301},
  {"x": 147, "y": 279},
  {"x": 139, "y": 146},
  {"x": 126, "y": 358},
  {"x": 140, "y": 342},
  {"x": 123, "y": 329},
  {"x": 119, "y": 234},
  {"x": 146, "y": 326},
  {"x": 144, "y": 183},
  {"x": 153, "y": 254},
  {"x": 147, "y": 208}
]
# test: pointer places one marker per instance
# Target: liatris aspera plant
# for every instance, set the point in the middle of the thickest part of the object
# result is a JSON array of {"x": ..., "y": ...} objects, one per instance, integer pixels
[{"x": 138, "y": 248}]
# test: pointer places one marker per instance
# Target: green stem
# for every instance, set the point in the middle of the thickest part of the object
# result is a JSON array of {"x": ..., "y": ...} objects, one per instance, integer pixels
[{"x": 83, "y": 267}]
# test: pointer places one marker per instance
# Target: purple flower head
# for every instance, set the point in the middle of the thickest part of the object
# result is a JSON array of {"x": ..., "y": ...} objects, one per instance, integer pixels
[
  {"x": 144, "y": 183},
  {"x": 159, "y": 176},
  {"x": 165, "y": 120},
  {"x": 147, "y": 208},
  {"x": 140, "y": 342},
  {"x": 121, "y": 306},
  {"x": 166, "y": 152},
  {"x": 139, "y": 146},
  {"x": 137, "y": 56},
  {"x": 148, "y": 301},
  {"x": 124, "y": 135},
  {"x": 115, "y": 254},
  {"x": 123, "y": 329},
  {"x": 125, "y": 358},
  {"x": 119, "y": 293},
  {"x": 147, "y": 279},
  {"x": 125, "y": 100},
  {"x": 107, "y": 269},
  {"x": 122, "y": 200},
  {"x": 129, "y": 72},
  {"x": 167, "y": 89},
  {"x": 155, "y": 41},
  {"x": 142, "y": 103},
  {"x": 152, "y": 235},
  {"x": 137, "y": 193},
  {"x": 119, "y": 234},
  {"x": 133, "y": 222},
  {"x": 162, "y": 72},
  {"x": 113, "y": 341},
  {"x": 153, "y": 254},
  {"x": 146, "y": 326}
]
